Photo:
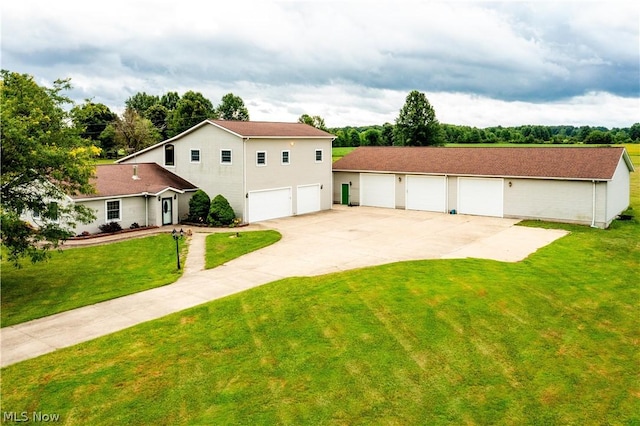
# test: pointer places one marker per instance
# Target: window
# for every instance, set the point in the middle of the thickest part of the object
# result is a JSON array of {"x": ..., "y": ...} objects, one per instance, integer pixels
[
  {"x": 195, "y": 155},
  {"x": 113, "y": 210},
  {"x": 225, "y": 156},
  {"x": 261, "y": 158},
  {"x": 318, "y": 155},
  {"x": 285, "y": 157},
  {"x": 169, "y": 155}
]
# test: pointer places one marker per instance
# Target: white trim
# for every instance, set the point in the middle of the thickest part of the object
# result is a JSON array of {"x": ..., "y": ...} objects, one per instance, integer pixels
[
  {"x": 106, "y": 210},
  {"x": 226, "y": 163},
  {"x": 258, "y": 164}
]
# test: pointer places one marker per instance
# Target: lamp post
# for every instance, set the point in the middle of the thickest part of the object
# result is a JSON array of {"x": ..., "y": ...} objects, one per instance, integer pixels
[{"x": 177, "y": 236}]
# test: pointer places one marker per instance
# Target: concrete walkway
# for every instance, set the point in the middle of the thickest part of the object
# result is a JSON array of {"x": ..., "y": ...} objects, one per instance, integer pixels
[{"x": 315, "y": 244}]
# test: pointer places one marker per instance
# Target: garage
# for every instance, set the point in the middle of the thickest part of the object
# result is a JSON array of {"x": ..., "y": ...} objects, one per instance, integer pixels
[
  {"x": 269, "y": 204},
  {"x": 308, "y": 198},
  {"x": 480, "y": 196},
  {"x": 427, "y": 193},
  {"x": 377, "y": 190}
]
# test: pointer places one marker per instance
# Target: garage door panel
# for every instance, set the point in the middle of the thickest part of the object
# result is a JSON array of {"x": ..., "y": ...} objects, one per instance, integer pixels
[
  {"x": 308, "y": 199},
  {"x": 269, "y": 204},
  {"x": 426, "y": 193},
  {"x": 377, "y": 190},
  {"x": 481, "y": 196}
]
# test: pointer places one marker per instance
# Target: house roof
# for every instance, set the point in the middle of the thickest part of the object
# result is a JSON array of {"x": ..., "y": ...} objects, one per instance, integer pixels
[
  {"x": 543, "y": 162},
  {"x": 271, "y": 129},
  {"x": 113, "y": 180}
]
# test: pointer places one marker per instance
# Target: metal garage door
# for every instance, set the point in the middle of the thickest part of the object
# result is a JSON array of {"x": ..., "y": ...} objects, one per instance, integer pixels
[
  {"x": 426, "y": 193},
  {"x": 377, "y": 190},
  {"x": 269, "y": 204},
  {"x": 308, "y": 198},
  {"x": 480, "y": 196}
]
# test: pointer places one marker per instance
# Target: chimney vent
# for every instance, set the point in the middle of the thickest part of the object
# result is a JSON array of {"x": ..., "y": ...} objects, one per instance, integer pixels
[{"x": 135, "y": 172}]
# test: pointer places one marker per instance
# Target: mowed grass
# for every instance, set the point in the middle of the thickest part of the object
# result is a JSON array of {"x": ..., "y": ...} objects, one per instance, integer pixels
[
  {"x": 225, "y": 246},
  {"x": 84, "y": 276},
  {"x": 553, "y": 339}
]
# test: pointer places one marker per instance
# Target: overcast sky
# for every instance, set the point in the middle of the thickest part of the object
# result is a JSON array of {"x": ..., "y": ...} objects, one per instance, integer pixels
[{"x": 351, "y": 62}]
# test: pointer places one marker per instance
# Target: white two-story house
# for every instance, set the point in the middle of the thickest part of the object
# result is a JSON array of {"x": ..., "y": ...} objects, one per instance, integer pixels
[{"x": 265, "y": 170}]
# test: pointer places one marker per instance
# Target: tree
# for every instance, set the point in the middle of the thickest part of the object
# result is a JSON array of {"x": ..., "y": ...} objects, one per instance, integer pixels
[
  {"x": 354, "y": 137},
  {"x": 199, "y": 206},
  {"x": 44, "y": 159},
  {"x": 141, "y": 102},
  {"x": 417, "y": 124},
  {"x": 134, "y": 132},
  {"x": 371, "y": 137},
  {"x": 599, "y": 137},
  {"x": 315, "y": 121},
  {"x": 158, "y": 114},
  {"x": 92, "y": 118},
  {"x": 634, "y": 132},
  {"x": 190, "y": 110},
  {"x": 232, "y": 108},
  {"x": 170, "y": 100},
  {"x": 387, "y": 134},
  {"x": 220, "y": 212}
]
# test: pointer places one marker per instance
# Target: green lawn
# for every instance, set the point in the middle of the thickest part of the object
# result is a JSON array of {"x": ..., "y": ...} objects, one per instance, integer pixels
[
  {"x": 222, "y": 247},
  {"x": 553, "y": 339},
  {"x": 83, "y": 276}
]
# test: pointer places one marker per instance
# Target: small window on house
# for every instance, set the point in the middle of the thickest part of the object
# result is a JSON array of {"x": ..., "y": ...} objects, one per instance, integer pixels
[
  {"x": 195, "y": 155},
  {"x": 261, "y": 158},
  {"x": 225, "y": 156},
  {"x": 285, "y": 157},
  {"x": 113, "y": 210},
  {"x": 318, "y": 155},
  {"x": 169, "y": 155}
]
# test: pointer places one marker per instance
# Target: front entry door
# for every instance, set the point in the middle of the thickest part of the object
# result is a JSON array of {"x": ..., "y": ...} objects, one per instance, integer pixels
[
  {"x": 345, "y": 194},
  {"x": 167, "y": 211}
]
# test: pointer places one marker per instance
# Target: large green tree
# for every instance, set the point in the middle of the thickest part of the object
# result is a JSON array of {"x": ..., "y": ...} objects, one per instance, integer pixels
[
  {"x": 232, "y": 108},
  {"x": 94, "y": 118},
  {"x": 417, "y": 124},
  {"x": 191, "y": 109},
  {"x": 44, "y": 159},
  {"x": 135, "y": 132},
  {"x": 315, "y": 121},
  {"x": 141, "y": 102}
]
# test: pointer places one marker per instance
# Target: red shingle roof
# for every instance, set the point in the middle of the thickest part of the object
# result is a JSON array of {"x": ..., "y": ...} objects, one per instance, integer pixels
[
  {"x": 544, "y": 162},
  {"x": 271, "y": 129},
  {"x": 114, "y": 180}
]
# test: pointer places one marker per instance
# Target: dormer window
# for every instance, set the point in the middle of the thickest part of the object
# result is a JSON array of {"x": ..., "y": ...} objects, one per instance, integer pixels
[{"x": 169, "y": 155}]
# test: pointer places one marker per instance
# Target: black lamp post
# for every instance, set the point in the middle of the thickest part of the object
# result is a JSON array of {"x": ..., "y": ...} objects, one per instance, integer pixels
[{"x": 177, "y": 236}]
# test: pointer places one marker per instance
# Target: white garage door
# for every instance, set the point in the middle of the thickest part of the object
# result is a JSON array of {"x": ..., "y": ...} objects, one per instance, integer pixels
[
  {"x": 269, "y": 204},
  {"x": 377, "y": 190},
  {"x": 308, "y": 198},
  {"x": 480, "y": 196},
  {"x": 426, "y": 193}
]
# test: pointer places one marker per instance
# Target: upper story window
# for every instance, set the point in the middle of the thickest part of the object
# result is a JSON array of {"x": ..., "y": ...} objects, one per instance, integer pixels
[
  {"x": 318, "y": 155},
  {"x": 261, "y": 158},
  {"x": 169, "y": 155},
  {"x": 195, "y": 155},
  {"x": 225, "y": 156},
  {"x": 113, "y": 210},
  {"x": 286, "y": 157}
]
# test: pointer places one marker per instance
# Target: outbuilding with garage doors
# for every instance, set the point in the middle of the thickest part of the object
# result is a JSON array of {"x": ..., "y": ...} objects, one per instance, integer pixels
[{"x": 587, "y": 185}]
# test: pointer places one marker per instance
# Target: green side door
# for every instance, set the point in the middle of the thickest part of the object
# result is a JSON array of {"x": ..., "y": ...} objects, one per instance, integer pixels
[{"x": 345, "y": 194}]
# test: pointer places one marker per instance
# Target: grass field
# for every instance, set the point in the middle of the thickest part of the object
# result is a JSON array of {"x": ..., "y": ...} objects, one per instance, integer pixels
[
  {"x": 83, "y": 276},
  {"x": 553, "y": 339},
  {"x": 222, "y": 247}
]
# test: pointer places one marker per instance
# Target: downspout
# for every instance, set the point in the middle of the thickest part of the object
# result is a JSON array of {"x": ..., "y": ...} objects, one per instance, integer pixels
[
  {"x": 245, "y": 211},
  {"x": 146, "y": 209},
  {"x": 446, "y": 194},
  {"x": 593, "y": 203}
]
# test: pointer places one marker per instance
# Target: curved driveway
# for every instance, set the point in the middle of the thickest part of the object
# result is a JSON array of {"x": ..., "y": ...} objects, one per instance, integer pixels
[{"x": 331, "y": 241}]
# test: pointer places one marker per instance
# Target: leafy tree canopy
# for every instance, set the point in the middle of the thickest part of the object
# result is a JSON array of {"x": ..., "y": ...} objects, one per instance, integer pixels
[
  {"x": 190, "y": 110},
  {"x": 417, "y": 124},
  {"x": 315, "y": 121},
  {"x": 232, "y": 108},
  {"x": 44, "y": 158}
]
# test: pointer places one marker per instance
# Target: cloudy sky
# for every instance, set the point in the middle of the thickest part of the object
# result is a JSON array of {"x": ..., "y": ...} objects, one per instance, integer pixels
[{"x": 351, "y": 62}]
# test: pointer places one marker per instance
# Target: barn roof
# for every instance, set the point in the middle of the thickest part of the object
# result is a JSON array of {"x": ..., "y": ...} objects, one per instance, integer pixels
[
  {"x": 587, "y": 163},
  {"x": 114, "y": 180}
]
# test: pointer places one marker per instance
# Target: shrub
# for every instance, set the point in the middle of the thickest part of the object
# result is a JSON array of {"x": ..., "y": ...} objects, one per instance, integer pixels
[
  {"x": 134, "y": 225},
  {"x": 199, "y": 206},
  {"x": 110, "y": 227},
  {"x": 220, "y": 212}
]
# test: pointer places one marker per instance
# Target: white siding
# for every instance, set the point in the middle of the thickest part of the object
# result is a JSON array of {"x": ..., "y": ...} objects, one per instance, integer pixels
[{"x": 618, "y": 192}]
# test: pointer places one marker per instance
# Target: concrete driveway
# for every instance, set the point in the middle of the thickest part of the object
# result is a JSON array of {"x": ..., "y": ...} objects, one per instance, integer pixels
[{"x": 331, "y": 241}]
